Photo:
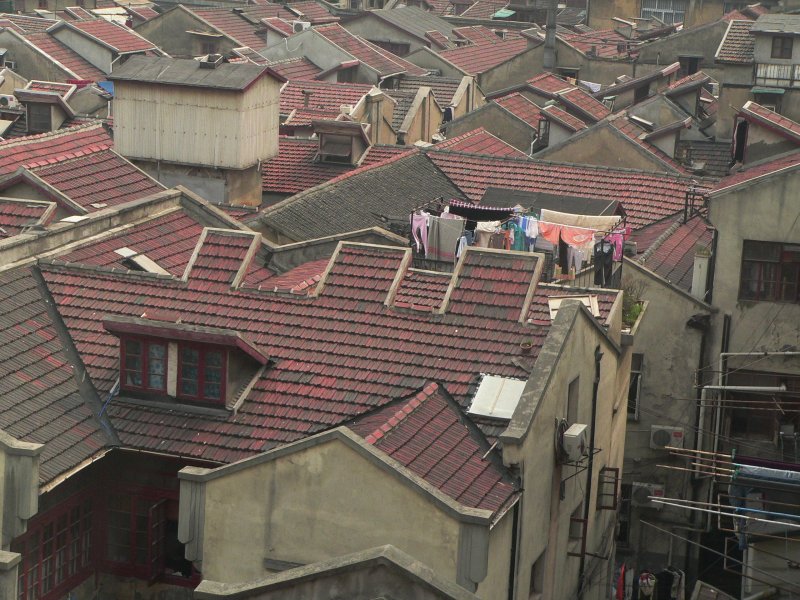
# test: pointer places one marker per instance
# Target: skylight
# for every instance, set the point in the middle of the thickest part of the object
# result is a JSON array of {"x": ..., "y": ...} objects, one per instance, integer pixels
[{"x": 497, "y": 397}]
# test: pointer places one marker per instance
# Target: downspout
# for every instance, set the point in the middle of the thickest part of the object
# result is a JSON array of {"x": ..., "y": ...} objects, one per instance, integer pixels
[
  {"x": 589, "y": 471},
  {"x": 513, "y": 563}
]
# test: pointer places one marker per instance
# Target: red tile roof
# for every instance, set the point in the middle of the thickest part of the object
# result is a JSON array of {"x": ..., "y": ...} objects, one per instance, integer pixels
[
  {"x": 548, "y": 83},
  {"x": 480, "y": 141},
  {"x": 672, "y": 254},
  {"x": 577, "y": 99},
  {"x": 474, "y": 60},
  {"x": 250, "y": 55},
  {"x": 422, "y": 290},
  {"x": 235, "y": 26},
  {"x": 772, "y": 120},
  {"x": 604, "y": 42},
  {"x": 561, "y": 116},
  {"x": 688, "y": 82},
  {"x": 303, "y": 117},
  {"x": 476, "y": 34},
  {"x": 38, "y": 150},
  {"x": 382, "y": 61},
  {"x": 634, "y": 133},
  {"x": 281, "y": 26},
  {"x": 738, "y": 44},
  {"x": 77, "y": 12},
  {"x": 311, "y": 11},
  {"x": 296, "y": 68},
  {"x": 764, "y": 169},
  {"x": 98, "y": 176},
  {"x": 295, "y": 169},
  {"x": 325, "y": 95},
  {"x": 438, "y": 39},
  {"x": 333, "y": 357},
  {"x": 60, "y": 53},
  {"x": 119, "y": 38},
  {"x": 143, "y": 13},
  {"x": 431, "y": 436},
  {"x": 647, "y": 197},
  {"x": 219, "y": 257},
  {"x": 39, "y": 397},
  {"x": 14, "y": 215},
  {"x": 522, "y": 108},
  {"x": 300, "y": 280},
  {"x": 62, "y": 89},
  {"x": 28, "y": 24}
]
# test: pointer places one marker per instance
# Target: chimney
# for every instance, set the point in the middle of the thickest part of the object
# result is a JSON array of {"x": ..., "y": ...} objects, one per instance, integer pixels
[
  {"x": 212, "y": 61},
  {"x": 306, "y": 97},
  {"x": 702, "y": 258}
]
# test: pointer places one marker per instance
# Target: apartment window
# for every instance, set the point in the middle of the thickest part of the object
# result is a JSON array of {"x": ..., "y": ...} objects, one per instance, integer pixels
[
  {"x": 782, "y": 47},
  {"x": 641, "y": 93},
  {"x": 770, "y": 272},
  {"x": 669, "y": 11},
  {"x": 635, "y": 386},
  {"x": 143, "y": 364},
  {"x": 689, "y": 65},
  {"x": 573, "y": 399},
  {"x": 56, "y": 551},
  {"x": 201, "y": 373},
  {"x": 624, "y": 516},
  {"x": 38, "y": 118}
]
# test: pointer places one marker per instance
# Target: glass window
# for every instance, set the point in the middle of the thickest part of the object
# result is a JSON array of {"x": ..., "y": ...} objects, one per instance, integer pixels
[
  {"x": 770, "y": 272},
  {"x": 144, "y": 364},
  {"x": 782, "y": 47},
  {"x": 202, "y": 373},
  {"x": 635, "y": 386}
]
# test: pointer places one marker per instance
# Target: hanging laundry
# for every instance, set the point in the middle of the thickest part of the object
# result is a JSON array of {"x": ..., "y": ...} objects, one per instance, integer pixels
[
  {"x": 574, "y": 236},
  {"x": 599, "y": 223},
  {"x": 419, "y": 231},
  {"x": 618, "y": 240},
  {"x": 603, "y": 263},
  {"x": 443, "y": 236},
  {"x": 484, "y": 231},
  {"x": 518, "y": 236}
]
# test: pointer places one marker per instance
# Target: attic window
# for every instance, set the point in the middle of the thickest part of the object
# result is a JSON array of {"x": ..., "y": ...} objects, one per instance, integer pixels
[
  {"x": 143, "y": 365},
  {"x": 201, "y": 373},
  {"x": 335, "y": 148},
  {"x": 139, "y": 262},
  {"x": 589, "y": 301}
]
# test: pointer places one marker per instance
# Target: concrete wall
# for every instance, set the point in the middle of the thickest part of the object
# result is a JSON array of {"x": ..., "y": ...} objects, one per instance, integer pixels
[
  {"x": 422, "y": 120},
  {"x": 428, "y": 59},
  {"x": 763, "y": 560},
  {"x": 513, "y": 71},
  {"x": 762, "y": 51},
  {"x": 731, "y": 99},
  {"x": 169, "y": 32},
  {"x": 10, "y": 80},
  {"x": 197, "y": 126},
  {"x": 567, "y": 354},
  {"x": 701, "y": 42},
  {"x": 100, "y": 56},
  {"x": 377, "y": 30},
  {"x": 376, "y": 109},
  {"x": 671, "y": 353},
  {"x": 497, "y": 121},
  {"x": 763, "y": 143},
  {"x": 315, "y": 504},
  {"x": 31, "y": 64},
  {"x": 767, "y": 325},
  {"x": 19, "y": 486}
]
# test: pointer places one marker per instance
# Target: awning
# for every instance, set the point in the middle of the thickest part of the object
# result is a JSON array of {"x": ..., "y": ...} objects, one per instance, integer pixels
[
  {"x": 503, "y": 13},
  {"x": 767, "y": 90}
]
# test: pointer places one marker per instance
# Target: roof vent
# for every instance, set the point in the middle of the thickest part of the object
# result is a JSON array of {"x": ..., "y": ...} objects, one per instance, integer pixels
[
  {"x": 212, "y": 61},
  {"x": 642, "y": 122}
]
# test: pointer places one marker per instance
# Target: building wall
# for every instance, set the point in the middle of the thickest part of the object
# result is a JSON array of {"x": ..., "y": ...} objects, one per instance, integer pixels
[
  {"x": 568, "y": 354},
  {"x": 377, "y": 30},
  {"x": 601, "y": 13},
  {"x": 169, "y": 32},
  {"x": 500, "y": 541},
  {"x": 755, "y": 325},
  {"x": 731, "y": 99},
  {"x": 197, "y": 126},
  {"x": 497, "y": 121},
  {"x": 671, "y": 354},
  {"x": 762, "y": 51},
  {"x": 763, "y": 143},
  {"x": 100, "y": 56},
  {"x": 10, "y": 80},
  {"x": 697, "y": 41},
  {"x": 315, "y": 504},
  {"x": 513, "y": 71},
  {"x": 376, "y": 109},
  {"x": 427, "y": 59},
  {"x": 426, "y": 118},
  {"x": 30, "y": 63}
]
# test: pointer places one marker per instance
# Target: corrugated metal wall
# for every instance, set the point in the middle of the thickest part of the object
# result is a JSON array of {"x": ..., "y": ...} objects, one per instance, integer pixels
[{"x": 197, "y": 126}]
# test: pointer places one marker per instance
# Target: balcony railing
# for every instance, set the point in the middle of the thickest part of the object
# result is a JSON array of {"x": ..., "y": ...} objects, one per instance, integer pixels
[{"x": 781, "y": 76}]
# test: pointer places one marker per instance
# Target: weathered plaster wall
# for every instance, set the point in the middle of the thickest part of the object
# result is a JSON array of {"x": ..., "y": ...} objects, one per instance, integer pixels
[{"x": 497, "y": 121}]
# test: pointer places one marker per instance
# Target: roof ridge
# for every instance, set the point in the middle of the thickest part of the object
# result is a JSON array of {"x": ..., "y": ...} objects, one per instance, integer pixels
[
  {"x": 32, "y": 139},
  {"x": 409, "y": 406},
  {"x": 659, "y": 241}
]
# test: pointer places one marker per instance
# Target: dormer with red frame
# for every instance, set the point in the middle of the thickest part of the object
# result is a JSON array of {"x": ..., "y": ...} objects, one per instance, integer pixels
[{"x": 167, "y": 361}]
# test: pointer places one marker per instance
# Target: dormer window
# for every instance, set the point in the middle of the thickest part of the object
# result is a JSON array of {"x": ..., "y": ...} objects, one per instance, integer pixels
[
  {"x": 201, "y": 373},
  {"x": 144, "y": 365},
  {"x": 342, "y": 142}
]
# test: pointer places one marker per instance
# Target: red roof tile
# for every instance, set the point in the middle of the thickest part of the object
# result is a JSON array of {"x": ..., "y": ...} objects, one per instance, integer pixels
[
  {"x": 28, "y": 24},
  {"x": 38, "y": 150},
  {"x": 219, "y": 257},
  {"x": 438, "y": 39},
  {"x": 279, "y": 25},
  {"x": 333, "y": 357},
  {"x": 303, "y": 117},
  {"x": 325, "y": 95},
  {"x": 763, "y": 169},
  {"x": 474, "y": 60},
  {"x": 14, "y": 215},
  {"x": 548, "y": 83},
  {"x": 382, "y": 61},
  {"x": 120, "y": 38},
  {"x": 73, "y": 61},
  {"x": 672, "y": 254},
  {"x": 577, "y": 99},
  {"x": 484, "y": 9},
  {"x": 98, "y": 177},
  {"x": 476, "y": 34},
  {"x": 430, "y": 435},
  {"x": 607, "y": 43},
  {"x": 311, "y": 11},
  {"x": 634, "y": 133},
  {"x": 689, "y": 82},
  {"x": 738, "y": 44},
  {"x": 296, "y": 68},
  {"x": 143, "y": 13},
  {"x": 522, "y": 108},
  {"x": 772, "y": 120},
  {"x": 77, "y": 12},
  {"x": 243, "y": 26},
  {"x": 558, "y": 114},
  {"x": 422, "y": 290},
  {"x": 62, "y": 89},
  {"x": 295, "y": 169},
  {"x": 647, "y": 197},
  {"x": 300, "y": 280},
  {"x": 480, "y": 141}
]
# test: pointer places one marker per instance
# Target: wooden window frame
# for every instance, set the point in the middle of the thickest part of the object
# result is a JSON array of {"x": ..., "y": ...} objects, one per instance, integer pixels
[
  {"x": 772, "y": 278},
  {"x": 144, "y": 373},
  {"x": 634, "y": 415},
  {"x": 782, "y": 47},
  {"x": 203, "y": 351},
  {"x": 608, "y": 477},
  {"x": 68, "y": 531}
]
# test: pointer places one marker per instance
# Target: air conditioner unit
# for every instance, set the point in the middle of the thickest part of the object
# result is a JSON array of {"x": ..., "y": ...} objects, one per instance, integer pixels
[
  {"x": 8, "y": 100},
  {"x": 576, "y": 442},
  {"x": 641, "y": 493},
  {"x": 298, "y": 26},
  {"x": 663, "y": 437}
]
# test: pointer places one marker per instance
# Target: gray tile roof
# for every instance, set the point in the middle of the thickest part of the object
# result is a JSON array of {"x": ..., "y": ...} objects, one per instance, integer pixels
[
  {"x": 444, "y": 88},
  {"x": 414, "y": 20},
  {"x": 360, "y": 199},
  {"x": 778, "y": 23}
]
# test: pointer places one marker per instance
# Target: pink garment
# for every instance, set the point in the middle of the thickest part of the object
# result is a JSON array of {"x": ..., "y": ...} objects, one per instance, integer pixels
[
  {"x": 419, "y": 231},
  {"x": 618, "y": 241},
  {"x": 579, "y": 237}
]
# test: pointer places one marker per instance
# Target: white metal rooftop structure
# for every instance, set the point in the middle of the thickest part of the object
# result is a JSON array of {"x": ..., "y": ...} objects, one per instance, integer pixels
[{"x": 497, "y": 397}]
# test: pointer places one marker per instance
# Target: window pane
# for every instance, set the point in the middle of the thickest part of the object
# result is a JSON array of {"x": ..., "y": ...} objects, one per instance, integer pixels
[
  {"x": 156, "y": 363},
  {"x": 212, "y": 391},
  {"x": 190, "y": 372},
  {"x": 133, "y": 348},
  {"x": 765, "y": 251}
]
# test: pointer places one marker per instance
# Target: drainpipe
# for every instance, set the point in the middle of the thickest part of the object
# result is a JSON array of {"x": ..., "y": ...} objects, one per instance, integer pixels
[{"x": 589, "y": 468}]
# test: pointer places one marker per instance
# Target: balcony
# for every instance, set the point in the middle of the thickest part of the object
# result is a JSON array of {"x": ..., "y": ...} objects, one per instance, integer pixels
[{"x": 780, "y": 76}]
